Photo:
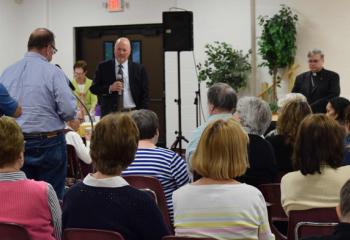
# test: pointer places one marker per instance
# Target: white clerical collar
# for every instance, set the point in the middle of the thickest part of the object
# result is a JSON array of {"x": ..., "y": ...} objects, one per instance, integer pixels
[{"x": 111, "y": 182}]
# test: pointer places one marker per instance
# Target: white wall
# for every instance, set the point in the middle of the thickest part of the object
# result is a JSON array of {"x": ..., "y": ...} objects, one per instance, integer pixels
[
  {"x": 224, "y": 20},
  {"x": 17, "y": 22},
  {"x": 322, "y": 24}
]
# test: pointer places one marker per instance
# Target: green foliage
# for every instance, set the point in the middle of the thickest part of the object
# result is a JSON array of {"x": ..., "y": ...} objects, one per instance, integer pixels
[
  {"x": 277, "y": 43},
  {"x": 225, "y": 64},
  {"x": 273, "y": 107}
]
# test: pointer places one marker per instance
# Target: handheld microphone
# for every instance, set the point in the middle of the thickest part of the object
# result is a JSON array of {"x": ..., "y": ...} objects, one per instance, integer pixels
[{"x": 119, "y": 78}]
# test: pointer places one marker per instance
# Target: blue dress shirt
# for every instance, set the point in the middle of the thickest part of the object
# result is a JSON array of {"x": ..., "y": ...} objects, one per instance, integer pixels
[
  {"x": 192, "y": 145},
  {"x": 8, "y": 105},
  {"x": 42, "y": 90}
]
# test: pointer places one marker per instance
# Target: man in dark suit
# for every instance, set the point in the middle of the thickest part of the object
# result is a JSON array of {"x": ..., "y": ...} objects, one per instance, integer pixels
[
  {"x": 121, "y": 84},
  {"x": 318, "y": 85}
]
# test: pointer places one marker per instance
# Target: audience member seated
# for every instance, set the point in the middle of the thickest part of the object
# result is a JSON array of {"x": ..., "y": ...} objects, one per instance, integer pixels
[
  {"x": 336, "y": 109},
  {"x": 32, "y": 204},
  {"x": 280, "y": 103},
  {"x": 222, "y": 101},
  {"x": 255, "y": 117},
  {"x": 74, "y": 139},
  {"x": 104, "y": 200},
  {"x": 165, "y": 165},
  {"x": 289, "y": 97},
  {"x": 282, "y": 140},
  {"x": 217, "y": 205},
  {"x": 318, "y": 154},
  {"x": 342, "y": 230}
]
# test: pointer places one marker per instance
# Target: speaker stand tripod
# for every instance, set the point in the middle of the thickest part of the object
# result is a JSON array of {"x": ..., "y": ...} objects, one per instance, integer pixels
[{"x": 179, "y": 137}]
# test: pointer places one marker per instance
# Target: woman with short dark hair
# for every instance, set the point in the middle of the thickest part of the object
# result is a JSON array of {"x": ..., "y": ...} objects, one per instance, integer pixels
[
  {"x": 318, "y": 156},
  {"x": 336, "y": 108},
  {"x": 165, "y": 165},
  {"x": 104, "y": 200}
]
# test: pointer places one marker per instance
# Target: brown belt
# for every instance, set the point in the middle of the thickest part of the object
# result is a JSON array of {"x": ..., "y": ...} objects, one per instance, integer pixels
[{"x": 43, "y": 135}]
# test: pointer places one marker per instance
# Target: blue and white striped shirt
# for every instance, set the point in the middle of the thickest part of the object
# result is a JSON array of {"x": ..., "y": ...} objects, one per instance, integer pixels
[{"x": 165, "y": 165}]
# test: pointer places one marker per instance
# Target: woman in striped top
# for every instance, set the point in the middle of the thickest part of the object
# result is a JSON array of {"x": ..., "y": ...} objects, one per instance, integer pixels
[
  {"x": 165, "y": 165},
  {"x": 217, "y": 205}
]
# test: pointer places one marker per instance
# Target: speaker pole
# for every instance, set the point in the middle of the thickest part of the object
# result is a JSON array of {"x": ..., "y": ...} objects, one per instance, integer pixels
[
  {"x": 179, "y": 137},
  {"x": 197, "y": 102}
]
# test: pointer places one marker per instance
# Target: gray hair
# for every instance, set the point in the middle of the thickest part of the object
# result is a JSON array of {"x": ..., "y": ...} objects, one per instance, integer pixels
[
  {"x": 147, "y": 123},
  {"x": 291, "y": 97},
  {"x": 255, "y": 114},
  {"x": 315, "y": 51},
  {"x": 222, "y": 95}
]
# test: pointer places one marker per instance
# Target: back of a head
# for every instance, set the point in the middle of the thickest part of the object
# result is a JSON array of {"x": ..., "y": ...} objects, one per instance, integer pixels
[
  {"x": 345, "y": 202},
  {"x": 339, "y": 105},
  {"x": 290, "y": 97},
  {"x": 221, "y": 153},
  {"x": 114, "y": 143},
  {"x": 222, "y": 96},
  {"x": 290, "y": 117},
  {"x": 255, "y": 114},
  {"x": 40, "y": 38},
  {"x": 12, "y": 141},
  {"x": 319, "y": 143},
  {"x": 147, "y": 122}
]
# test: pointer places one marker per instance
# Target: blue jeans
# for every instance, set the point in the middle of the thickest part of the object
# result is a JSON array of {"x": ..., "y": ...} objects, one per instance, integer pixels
[{"x": 45, "y": 159}]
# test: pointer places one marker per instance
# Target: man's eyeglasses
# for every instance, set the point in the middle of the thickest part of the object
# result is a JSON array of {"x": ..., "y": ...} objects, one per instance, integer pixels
[
  {"x": 54, "y": 49},
  {"x": 313, "y": 61}
]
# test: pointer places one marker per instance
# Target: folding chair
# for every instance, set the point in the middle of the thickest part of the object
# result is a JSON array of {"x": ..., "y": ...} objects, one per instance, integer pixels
[
  {"x": 320, "y": 227},
  {"x": 319, "y": 215},
  {"x": 147, "y": 182},
  {"x": 184, "y": 238},
  {"x": 13, "y": 231},
  {"x": 76, "y": 169},
  {"x": 272, "y": 195},
  {"x": 90, "y": 234}
]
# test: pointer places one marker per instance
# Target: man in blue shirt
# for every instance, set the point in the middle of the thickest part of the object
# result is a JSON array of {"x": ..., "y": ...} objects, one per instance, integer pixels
[
  {"x": 47, "y": 102},
  {"x": 222, "y": 101},
  {"x": 8, "y": 106}
]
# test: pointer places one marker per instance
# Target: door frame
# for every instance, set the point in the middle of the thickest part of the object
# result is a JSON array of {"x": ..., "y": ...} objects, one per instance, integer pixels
[{"x": 122, "y": 30}]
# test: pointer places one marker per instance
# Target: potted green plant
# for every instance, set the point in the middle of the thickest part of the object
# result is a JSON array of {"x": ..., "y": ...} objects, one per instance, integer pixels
[
  {"x": 224, "y": 64},
  {"x": 277, "y": 44}
]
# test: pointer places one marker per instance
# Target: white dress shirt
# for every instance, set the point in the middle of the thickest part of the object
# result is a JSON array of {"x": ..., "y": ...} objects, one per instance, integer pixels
[
  {"x": 111, "y": 182},
  {"x": 127, "y": 97},
  {"x": 74, "y": 139}
]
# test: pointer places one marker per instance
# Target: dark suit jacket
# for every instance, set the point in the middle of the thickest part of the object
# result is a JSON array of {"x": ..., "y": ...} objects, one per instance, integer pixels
[
  {"x": 105, "y": 76},
  {"x": 262, "y": 162},
  {"x": 326, "y": 87}
]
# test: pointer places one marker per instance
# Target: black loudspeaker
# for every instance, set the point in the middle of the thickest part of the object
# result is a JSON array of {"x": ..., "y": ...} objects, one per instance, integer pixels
[{"x": 178, "y": 31}]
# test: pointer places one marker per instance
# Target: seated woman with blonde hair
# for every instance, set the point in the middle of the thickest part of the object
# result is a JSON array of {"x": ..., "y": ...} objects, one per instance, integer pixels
[
  {"x": 32, "y": 204},
  {"x": 318, "y": 154},
  {"x": 217, "y": 205}
]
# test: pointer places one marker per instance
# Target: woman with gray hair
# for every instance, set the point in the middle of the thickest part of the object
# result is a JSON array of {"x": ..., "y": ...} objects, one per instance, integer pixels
[{"x": 255, "y": 116}]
